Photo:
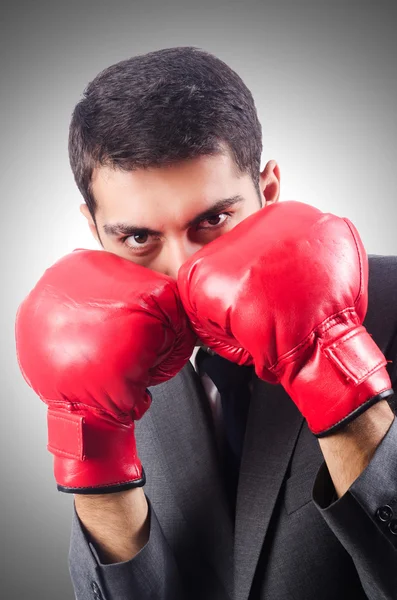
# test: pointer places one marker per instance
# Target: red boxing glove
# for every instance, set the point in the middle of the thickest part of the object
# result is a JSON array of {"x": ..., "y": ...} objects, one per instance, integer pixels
[
  {"x": 93, "y": 334},
  {"x": 286, "y": 290}
]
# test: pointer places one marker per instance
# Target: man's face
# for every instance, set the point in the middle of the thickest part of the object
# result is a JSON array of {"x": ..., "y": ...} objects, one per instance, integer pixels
[{"x": 159, "y": 217}]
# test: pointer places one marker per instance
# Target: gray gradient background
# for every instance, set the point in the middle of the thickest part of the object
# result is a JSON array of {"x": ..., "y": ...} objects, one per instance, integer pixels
[{"x": 324, "y": 79}]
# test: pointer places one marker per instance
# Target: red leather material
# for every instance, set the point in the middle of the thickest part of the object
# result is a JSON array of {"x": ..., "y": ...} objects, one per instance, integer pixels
[
  {"x": 65, "y": 434},
  {"x": 91, "y": 452},
  {"x": 355, "y": 354},
  {"x": 286, "y": 290},
  {"x": 93, "y": 334}
]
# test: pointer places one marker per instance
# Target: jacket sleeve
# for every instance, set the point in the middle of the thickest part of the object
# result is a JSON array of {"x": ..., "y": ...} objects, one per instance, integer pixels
[
  {"x": 152, "y": 574},
  {"x": 364, "y": 519}
]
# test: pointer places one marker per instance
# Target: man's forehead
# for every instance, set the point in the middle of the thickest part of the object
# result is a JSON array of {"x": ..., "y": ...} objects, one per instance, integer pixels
[{"x": 182, "y": 189}]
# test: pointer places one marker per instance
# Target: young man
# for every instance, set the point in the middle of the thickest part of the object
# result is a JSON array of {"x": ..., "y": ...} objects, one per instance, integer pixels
[{"x": 207, "y": 487}]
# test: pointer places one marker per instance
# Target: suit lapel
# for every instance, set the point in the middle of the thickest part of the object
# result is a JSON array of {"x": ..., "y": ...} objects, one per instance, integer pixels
[
  {"x": 273, "y": 426},
  {"x": 183, "y": 430}
]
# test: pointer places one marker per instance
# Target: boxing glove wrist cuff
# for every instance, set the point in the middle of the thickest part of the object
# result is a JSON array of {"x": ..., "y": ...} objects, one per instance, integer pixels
[
  {"x": 92, "y": 454},
  {"x": 338, "y": 380},
  {"x": 106, "y": 489}
]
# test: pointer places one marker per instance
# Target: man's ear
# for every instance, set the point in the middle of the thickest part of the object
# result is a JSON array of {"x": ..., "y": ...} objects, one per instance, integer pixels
[
  {"x": 269, "y": 183},
  {"x": 84, "y": 211}
]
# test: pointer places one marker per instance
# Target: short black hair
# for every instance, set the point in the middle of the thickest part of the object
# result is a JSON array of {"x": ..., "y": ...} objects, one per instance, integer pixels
[{"x": 161, "y": 108}]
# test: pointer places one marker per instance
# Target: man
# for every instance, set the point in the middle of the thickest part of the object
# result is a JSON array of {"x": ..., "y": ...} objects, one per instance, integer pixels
[{"x": 241, "y": 500}]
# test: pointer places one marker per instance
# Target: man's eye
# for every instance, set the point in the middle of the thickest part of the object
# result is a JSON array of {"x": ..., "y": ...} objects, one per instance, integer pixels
[
  {"x": 214, "y": 221},
  {"x": 140, "y": 238},
  {"x": 136, "y": 240}
]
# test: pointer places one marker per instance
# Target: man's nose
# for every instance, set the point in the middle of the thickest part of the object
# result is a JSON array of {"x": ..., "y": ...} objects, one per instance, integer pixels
[{"x": 176, "y": 253}]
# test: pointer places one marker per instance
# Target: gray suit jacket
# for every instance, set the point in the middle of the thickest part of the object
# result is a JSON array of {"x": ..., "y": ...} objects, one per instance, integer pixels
[{"x": 290, "y": 540}]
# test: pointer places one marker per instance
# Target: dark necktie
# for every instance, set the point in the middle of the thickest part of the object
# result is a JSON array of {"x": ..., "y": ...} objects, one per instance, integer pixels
[{"x": 232, "y": 382}]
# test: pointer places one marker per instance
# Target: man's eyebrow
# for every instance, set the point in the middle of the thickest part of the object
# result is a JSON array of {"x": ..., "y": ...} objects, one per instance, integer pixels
[
  {"x": 217, "y": 207},
  {"x": 127, "y": 229},
  {"x": 115, "y": 229}
]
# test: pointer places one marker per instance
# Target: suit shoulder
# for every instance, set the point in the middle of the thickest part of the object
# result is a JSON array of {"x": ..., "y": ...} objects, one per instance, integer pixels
[
  {"x": 382, "y": 279},
  {"x": 380, "y": 264},
  {"x": 381, "y": 319}
]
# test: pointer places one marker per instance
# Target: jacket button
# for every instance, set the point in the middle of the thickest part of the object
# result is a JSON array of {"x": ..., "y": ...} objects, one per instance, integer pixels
[
  {"x": 96, "y": 590},
  {"x": 393, "y": 526},
  {"x": 384, "y": 513}
]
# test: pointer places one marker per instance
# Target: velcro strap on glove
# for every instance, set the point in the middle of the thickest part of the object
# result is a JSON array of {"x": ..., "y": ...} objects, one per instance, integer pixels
[{"x": 356, "y": 355}]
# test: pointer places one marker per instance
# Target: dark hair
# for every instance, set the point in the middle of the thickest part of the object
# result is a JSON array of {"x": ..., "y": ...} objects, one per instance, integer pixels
[{"x": 160, "y": 108}]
